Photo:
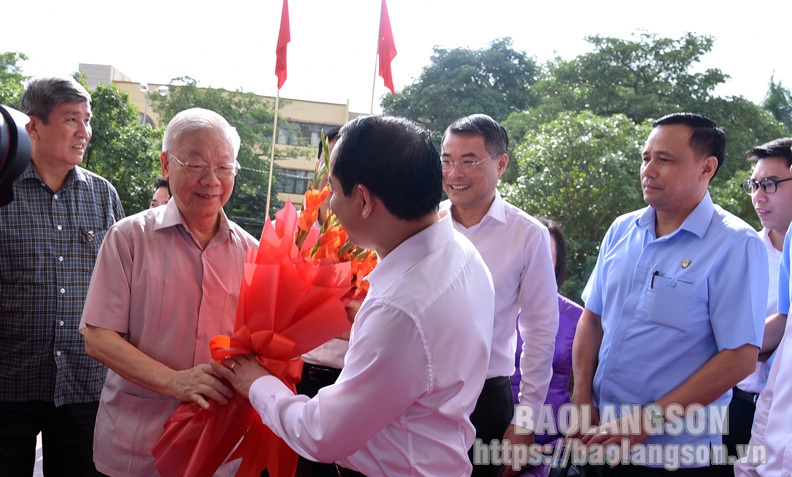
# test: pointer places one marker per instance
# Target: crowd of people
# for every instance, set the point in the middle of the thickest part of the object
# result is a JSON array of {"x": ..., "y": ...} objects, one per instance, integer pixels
[{"x": 463, "y": 340}]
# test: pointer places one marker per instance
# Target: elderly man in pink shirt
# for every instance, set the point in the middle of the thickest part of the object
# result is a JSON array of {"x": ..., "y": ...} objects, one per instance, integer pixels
[{"x": 166, "y": 281}]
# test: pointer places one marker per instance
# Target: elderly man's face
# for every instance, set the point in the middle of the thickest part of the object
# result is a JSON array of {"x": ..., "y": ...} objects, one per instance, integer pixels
[{"x": 199, "y": 193}]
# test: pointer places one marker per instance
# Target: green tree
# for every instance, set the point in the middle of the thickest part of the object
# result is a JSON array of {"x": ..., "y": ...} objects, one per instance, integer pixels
[
  {"x": 121, "y": 150},
  {"x": 581, "y": 170},
  {"x": 642, "y": 78},
  {"x": 460, "y": 81},
  {"x": 252, "y": 116},
  {"x": 778, "y": 102},
  {"x": 746, "y": 125},
  {"x": 11, "y": 78}
]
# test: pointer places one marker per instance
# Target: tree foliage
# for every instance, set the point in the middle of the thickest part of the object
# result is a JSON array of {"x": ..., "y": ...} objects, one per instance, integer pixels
[
  {"x": 11, "y": 78},
  {"x": 642, "y": 78},
  {"x": 460, "y": 81},
  {"x": 778, "y": 102},
  {"x": 252, "y": 116},
  {"x": 581, "y": 170},
  {"x": 121, "y": 150}
]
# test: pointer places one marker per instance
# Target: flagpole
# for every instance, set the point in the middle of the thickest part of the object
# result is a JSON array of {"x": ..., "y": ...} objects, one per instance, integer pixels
[
  {"x": 272, "y": 150},
  {"x": 374, "y": 81},
  {"x": 284, "y": 37}
]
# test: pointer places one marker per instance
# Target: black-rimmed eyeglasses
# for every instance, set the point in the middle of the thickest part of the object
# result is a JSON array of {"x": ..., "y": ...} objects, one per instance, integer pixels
[{"x": 768, "y": 185}]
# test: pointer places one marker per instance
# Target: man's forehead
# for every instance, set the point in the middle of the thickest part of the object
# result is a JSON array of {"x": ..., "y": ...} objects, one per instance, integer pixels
[
  {"x": 466, "y": 143},
  {"x": 73, "y": 108}
]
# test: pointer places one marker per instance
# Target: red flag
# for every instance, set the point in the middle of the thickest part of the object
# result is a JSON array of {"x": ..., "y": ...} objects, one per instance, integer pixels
[
  {"x": 284, "y": 37},
  {"x": 386, "y": 49}
]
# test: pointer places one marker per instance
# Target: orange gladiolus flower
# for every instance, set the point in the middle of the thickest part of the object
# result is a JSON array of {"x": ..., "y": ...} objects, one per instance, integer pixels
[
  {"x": 361, "y": 266},
  {"x": 310, "y": 212}
]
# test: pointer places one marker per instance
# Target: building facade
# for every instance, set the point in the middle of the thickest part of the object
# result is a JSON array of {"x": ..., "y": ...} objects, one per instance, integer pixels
[{"x": 300, "y": 126}]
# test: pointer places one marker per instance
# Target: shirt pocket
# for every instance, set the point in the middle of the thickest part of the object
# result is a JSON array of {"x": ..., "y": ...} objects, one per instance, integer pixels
[
  {"x": 86, "y": 242},
  {"x": 140, "y": 420},
  {"x": 672, "y": 301}
]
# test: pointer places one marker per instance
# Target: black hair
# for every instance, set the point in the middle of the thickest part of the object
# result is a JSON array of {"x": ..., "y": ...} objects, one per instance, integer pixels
[
  {"x": 160, "y": 182},
  {"x": 331, "y": 135},
  {"x": 395, "y": 159},
  {"x": 781, "y": 148},
  {"x": 708, "y": 139},
  {"x": 495, "y": 138},
  {"x": 561, "y": 249}
]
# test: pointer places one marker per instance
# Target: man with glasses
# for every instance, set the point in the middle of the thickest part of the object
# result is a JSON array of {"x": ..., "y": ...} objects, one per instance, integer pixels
[
  {"x": 516, "y": 249},
  {"x": 166, "y": 281},
  {"x": 770, "y": 188},
  {"x": 674, "y": 313}
]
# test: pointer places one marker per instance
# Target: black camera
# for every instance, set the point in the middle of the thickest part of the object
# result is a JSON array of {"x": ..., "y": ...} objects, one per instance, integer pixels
[{"x": 14, "y": 150}]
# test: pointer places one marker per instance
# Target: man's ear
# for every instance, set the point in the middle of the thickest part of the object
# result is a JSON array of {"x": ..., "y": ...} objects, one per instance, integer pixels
[
  {"x": 366, "y": 201},
  {"x": 709, "y": 167},
  {"x": 165, "y": 160},
  {"x": 503, "y": 161},
  {"x": 32, "y": 127}
]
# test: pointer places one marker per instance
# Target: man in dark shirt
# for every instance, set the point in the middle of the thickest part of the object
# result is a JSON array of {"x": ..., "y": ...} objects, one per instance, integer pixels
[{"x": 49, "y": 237}]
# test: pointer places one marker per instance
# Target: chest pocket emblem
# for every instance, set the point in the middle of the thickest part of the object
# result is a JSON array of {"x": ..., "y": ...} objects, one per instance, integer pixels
[{"x": 686, "y": 263}]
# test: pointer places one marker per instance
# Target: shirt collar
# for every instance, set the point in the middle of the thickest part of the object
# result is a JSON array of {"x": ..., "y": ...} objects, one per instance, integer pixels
[
  {"x": 497, "y": 210},
  {"x": 410, "y": 252},
  {"x": 76, "y": 175},
  {"x": 172, "y": 217},
  {"x": 697, "y": 222}
]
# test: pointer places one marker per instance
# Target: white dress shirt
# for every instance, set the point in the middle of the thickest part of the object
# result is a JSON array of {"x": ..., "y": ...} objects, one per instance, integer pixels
[
  {"x": 416, "y": 364},
  {"x": 755, "y": 381},
  {"x": 516, "y": 249},
  {"x": 770, "y": 449}
]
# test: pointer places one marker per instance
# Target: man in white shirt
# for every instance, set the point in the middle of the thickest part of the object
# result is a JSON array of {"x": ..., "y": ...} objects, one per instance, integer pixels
[
  {"x": 771, "y": 441},
  {"x": 516, "y": 248},
  {"x": 420, "y": 343},
  {"x": 770, "y": 188}
]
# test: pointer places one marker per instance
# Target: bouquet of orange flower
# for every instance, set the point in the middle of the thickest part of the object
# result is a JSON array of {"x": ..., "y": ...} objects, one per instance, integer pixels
[{"x": 293, "y": 298}]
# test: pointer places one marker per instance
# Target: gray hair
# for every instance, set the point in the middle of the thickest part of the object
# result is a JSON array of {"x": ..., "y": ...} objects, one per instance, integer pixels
[
  {"x": 43, "y": 95},
  {"x": 496, "y": 140},
  {"x": 196, "y": 119}
]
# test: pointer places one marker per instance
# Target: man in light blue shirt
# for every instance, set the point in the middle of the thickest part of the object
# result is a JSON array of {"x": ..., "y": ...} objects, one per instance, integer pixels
[{"x": 674, "y": 313}]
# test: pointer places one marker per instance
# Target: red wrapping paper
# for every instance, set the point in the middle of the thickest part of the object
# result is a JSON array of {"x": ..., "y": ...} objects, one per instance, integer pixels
[{"x": 288, "y": 305}]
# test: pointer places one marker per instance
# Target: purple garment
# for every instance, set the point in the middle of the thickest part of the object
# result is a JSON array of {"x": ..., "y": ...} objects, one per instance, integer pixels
[{"x": 568, "y": 315}]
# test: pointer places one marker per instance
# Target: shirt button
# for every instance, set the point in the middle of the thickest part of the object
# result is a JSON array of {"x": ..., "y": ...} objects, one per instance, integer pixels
[
  {"x": 62, "y": 290},
  {"x": 60, "y": 259},
  {"x": 55, "y": 196},
  {"x": 57, "y": 353},
  {"x": 60, "y": 322},
  {"x": 59, "y": 227}
]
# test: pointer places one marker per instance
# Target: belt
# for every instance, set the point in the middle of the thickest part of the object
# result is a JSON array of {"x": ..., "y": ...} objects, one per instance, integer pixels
[
  {"x": 343, "y": 472},
  {"x": 497, "y": 381},
  {"x": 745, "y": 395},
  {"x": 322, "y": 374}
]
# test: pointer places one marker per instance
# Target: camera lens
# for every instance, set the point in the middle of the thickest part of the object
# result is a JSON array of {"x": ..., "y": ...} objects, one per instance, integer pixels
[{"x": 14, "y": 150}]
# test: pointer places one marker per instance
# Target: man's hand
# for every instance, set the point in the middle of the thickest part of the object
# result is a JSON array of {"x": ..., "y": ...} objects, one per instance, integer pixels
[
  {"x": 523, "y": 438},
  {"x": 241, "y": 371},
  {"x": 351, "y": 309},
  {"x": 587, "y": 415},
  {"x": 618, "y": 434},
  {"x": 199, "y": 384}
]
